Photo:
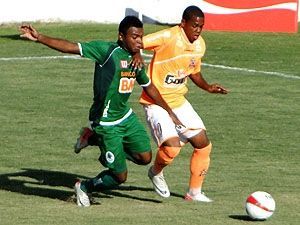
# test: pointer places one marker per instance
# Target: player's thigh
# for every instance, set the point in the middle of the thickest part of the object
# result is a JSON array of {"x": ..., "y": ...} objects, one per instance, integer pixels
[
  {"x": 136, "y": 139},
  {"x": 190, "y": 119},
  {"x": 160, "y": 123},
  {"x": 111, "y": 147}
]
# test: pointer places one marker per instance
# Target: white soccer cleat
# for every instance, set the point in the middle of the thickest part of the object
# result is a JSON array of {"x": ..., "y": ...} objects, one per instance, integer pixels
[
  {"x": 200, "y": 197},
  {"x": 82, "y": 197},
  {"x": 159, "y": 183}
]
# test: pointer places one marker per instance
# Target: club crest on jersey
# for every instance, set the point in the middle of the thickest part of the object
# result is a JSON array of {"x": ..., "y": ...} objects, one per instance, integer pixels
[
  {"x": 123, "y": 64},
  {"x": 192, "y": 63}
]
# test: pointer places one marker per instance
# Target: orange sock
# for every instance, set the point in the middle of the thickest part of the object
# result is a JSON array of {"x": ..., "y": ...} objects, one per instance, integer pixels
[
  {"x": 198, "y": 167},
  {"x": 164, "y": 156}
]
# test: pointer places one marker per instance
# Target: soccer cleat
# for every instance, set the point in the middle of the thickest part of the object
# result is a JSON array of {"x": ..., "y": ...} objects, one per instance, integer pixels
[
  {"x": 82, "y": 197},
  {"x": 200, "y": 197},
  {"x": 82, "y": 141},
  {"x": 159, "y": 183}
]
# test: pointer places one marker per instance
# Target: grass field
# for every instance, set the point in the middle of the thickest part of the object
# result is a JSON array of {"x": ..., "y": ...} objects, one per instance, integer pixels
[{"x": 255, "y": 132}]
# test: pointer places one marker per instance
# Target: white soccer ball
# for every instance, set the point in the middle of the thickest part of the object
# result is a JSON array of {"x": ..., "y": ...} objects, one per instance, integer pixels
[{"x": 260, "y": 205}]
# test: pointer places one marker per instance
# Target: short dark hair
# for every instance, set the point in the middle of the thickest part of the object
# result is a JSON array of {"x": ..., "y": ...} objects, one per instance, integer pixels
[
  {"x": 191, "y": 11},
  {"x": 129, "y": 21}
]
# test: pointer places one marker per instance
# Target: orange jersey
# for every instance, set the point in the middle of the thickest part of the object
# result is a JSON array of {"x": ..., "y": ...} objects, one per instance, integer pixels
[{"x": 174, "y": 59}]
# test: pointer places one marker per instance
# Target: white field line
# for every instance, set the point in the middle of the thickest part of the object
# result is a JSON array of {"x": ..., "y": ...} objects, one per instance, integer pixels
[
  {"x": 289, "y": 76},
  {"x": 270, "y": 73},
  {"x": 41, "y": 57}
]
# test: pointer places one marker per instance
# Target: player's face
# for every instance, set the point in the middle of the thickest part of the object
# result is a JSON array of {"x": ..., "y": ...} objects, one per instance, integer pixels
[
  {"x": 193, "y": 27},
  {"x": 133, "y": 39}
]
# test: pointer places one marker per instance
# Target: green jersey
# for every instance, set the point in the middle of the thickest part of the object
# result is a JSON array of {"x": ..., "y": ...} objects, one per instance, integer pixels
[{"x": 113, "y": 81}]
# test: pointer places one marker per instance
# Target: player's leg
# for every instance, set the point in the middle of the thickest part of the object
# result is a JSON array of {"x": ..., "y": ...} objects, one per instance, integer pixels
[
  {"x": 199, "y": 165},
  {"x": 164, "y": 133},
  {"x": 112, "y": 157},
  {"x": 136, "y": 142},
  {"x": 195, "y": 133},
  {"x": 86, "y": 137},
  {"x": 105, "y": 180}
]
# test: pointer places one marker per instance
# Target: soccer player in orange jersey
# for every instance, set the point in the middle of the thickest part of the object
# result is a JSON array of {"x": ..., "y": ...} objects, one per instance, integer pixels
[{"x": 177, "y": 57}]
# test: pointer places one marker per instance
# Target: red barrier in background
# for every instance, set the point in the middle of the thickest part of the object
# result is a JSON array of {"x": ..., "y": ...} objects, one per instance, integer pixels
[{"x": 251, "y": 15}]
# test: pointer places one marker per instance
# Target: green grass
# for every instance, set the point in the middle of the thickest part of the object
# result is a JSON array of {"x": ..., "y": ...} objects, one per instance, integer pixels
[{"x": 254, "y": 130}]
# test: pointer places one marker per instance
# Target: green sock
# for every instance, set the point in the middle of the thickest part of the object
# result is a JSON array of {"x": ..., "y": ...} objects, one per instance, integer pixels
[{"x": 103, "y": 181}]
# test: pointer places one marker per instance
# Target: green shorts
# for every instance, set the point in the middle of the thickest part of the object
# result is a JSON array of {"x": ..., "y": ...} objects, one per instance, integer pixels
[{"x": 116, "y": 141}]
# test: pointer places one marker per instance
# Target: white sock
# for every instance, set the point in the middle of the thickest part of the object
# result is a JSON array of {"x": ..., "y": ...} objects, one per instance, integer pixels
[{"x": 194, "y": 191}]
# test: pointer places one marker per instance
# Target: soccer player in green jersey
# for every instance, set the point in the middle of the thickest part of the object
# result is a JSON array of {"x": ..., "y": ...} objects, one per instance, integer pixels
[{"x": 120, "y": 135}]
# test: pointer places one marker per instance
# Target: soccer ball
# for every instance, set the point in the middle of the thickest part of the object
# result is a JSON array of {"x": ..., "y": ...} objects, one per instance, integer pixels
[{"x": 260, "y": 205}]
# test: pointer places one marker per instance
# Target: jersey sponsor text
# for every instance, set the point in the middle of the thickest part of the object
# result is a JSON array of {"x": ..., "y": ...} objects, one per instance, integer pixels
[{"x": 126, "y": 85}]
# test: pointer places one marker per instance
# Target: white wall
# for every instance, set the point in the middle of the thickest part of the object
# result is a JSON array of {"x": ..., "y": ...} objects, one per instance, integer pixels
[
  {"x": 111, "y": 11},
  {"x": 52, "y": 10}
]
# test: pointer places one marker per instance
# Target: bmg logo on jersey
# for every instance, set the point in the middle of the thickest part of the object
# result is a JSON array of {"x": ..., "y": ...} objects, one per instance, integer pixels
[
  {"x": 127, "y": 80},
  {"x": 126, "y": 85}
]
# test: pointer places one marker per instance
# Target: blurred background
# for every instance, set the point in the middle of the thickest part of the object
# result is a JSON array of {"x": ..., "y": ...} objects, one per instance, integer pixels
[{"x": 225, "y": 15}]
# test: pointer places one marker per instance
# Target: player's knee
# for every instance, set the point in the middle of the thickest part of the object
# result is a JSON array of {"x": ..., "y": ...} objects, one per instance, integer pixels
[
  {"x": 171, "y": 152},
  {"x": 172, "y": 142},
  {"x": 200, "y": 140},
  {"x": 145, "y": 161},
  {"x": 143, "y": 158},
  {"x": 121, "y": 177}
]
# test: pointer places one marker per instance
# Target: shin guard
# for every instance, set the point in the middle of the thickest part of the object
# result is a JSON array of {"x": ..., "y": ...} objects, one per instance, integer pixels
[
  {"x": 199, "y": 165},
  {"x": 165, "y": 155}
]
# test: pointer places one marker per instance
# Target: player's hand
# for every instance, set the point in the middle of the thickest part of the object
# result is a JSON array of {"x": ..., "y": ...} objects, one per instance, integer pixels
[
  {"x": 137, "y": 61},
  {"x": 27, "y": 31},
  {"x": 180, "y": 128},
  {"x": 216, "y": 88},
  {"x": 176, "y": 121}
]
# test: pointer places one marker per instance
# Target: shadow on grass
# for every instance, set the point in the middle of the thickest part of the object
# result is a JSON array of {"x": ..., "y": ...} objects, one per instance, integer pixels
[
  {"x": 56, "y": 185},
  {"x": 242, "y": 217},
  {"x": 40, "y": 183},
  {"x": 12, "y": 37}
]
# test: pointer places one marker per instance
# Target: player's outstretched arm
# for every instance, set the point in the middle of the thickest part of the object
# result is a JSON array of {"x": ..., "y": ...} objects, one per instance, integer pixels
[
  {"x": 211, "y": 88},
  {"x": 152, "y": 92},
  {"x": 29, "y": 32}
]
